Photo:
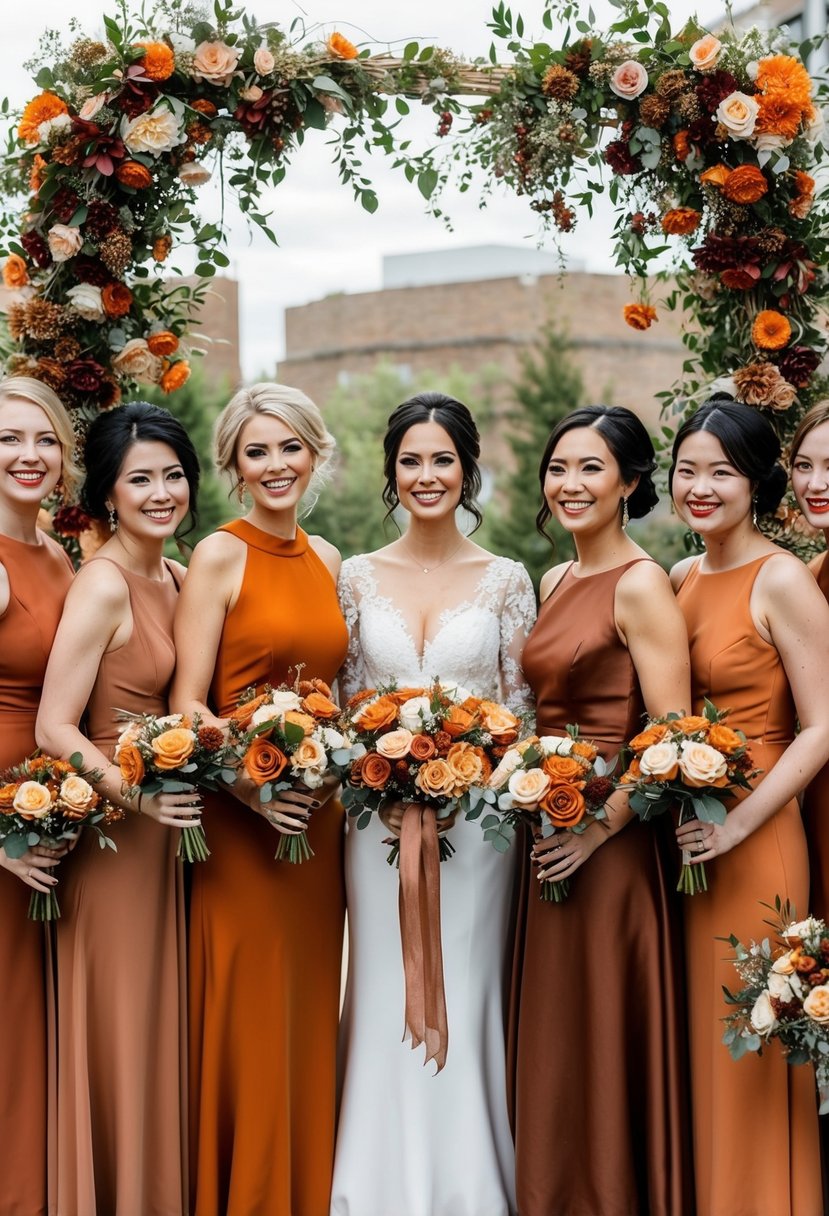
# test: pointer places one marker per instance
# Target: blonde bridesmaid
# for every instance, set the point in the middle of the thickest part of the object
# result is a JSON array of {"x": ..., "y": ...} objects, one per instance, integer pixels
[{"x": 120, "y": 1131}]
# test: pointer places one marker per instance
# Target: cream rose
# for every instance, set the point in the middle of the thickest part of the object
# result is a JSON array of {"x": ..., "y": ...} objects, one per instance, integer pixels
[
  {"x": 128, "y": 735},
  {"x": 136, "y": 359},
  {"x": 816, "y": 1004},
  {"x": 396, "y": 744},
  {"x": 555, "y": 745},
  {"x": 769, "y": 142},
  {"x": 528, "y": 786},
  {"x": 629, "y": 80},
  {"x": 783, "y": 965},
  {"x": 456, "y": 692},
  {"x": 77, "y": 793},
  {"x": 701, "y": 764},
  {"x": 815, "y": 127},
  {"x": 155, "y": 133},
  {"x": 762, "y": 1014},
  {"x": 33, "y": 800},
  {"x": 194, "y": 173},
  {"x": 92, "y": 105},
  {"x": 415, "y": 713},
  {"x": 784, "y": 987},
  {"x": 215, "y": 62},
  {"x": 265, "y": 713},
  {"x": 330, "y": 738},
  {"x": 263, "y": 61},
  {"x": 251, "y": 93},
  {"x": 281, "y": 700},
  {"x": 170, "y": 720},
  {"x": 309, "y": 754},
  {"x": 660, "y": 760},
  {"x": 738, "y": 114},
  {"x": 509, "y": 763},
  {"x": 705, "y": 52},
  {"x": 86, "y": 301}
]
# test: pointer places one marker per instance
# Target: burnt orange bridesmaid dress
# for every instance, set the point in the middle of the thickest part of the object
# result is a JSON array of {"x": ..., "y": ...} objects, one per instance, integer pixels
[
  {"x": 600, "y": 1106},
  {"x": 39, "y": 576},
  {"x": 755, "y": 1120},
  {"x": 266, "y": 937},
  {"x": 816, "y": 802},
  {"x": 120, "y": 965}
]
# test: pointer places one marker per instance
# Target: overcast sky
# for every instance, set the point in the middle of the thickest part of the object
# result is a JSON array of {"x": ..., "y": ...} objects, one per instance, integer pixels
[{"x": 327, "y": 242}]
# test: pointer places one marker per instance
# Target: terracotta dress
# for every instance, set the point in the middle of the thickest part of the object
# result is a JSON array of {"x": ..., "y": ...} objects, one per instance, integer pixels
[
  {"x": 120, "y": 946},
  {"x": 600, "y": 1121},
  {"x": 39, "y": 577},
  {"x": 755, "y": 1121},
  {"x": 266, "y": 937},
  {"x": 816, "y": 802}
]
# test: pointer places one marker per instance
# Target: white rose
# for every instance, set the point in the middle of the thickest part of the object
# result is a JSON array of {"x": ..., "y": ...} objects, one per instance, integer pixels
[
  {"x": 510, "y": 761},
  {"x": 661, "y": 761},
  {"x": 456, "y": 692},
  {"x": 629, "y": 80},
  {"x": 53, "y": 127},
  {"x": 64, "y": 242},
  {"x": 182, "y": 44},
  {"x": 86, "y": 301},
  {"x": 312, "y": 777},
  {"x": 128, "y": 735},
  {"x": 555, "y": 745},
  {"x": 528, "y": 787},
  {"x": 265, "y": 713},
  {"x": 738, "y": 114},
  {"x": 705, "y": 52},
  {"x": 762, "y": 1015},
  {"x": 701, "y": 764},
  {"x": 768, "y": 142},
  {"x": 156, "y": 133},
  {"x": 798, "y": 929},
  {"x": 330, "y": 738},
  {"x": 283, "y": 699},
  {"x": 816, "y": 1005},
  {"x": 783, "y": 965},
  {"x": 194, "y": 173},
  {"x": 169, "y": 721},
  {"x": 815, "y": 127},
  {"x": 263, "y": 61},
  {"x": 723, "y": 384},
  {"x": 136, "y": 360},
  {"x": 784, "y": 987},
  {"x": 415, "y": 714}
]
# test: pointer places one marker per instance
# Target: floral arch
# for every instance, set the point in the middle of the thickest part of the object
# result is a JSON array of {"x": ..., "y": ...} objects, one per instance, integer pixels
[{"x": 709, "y": 146}]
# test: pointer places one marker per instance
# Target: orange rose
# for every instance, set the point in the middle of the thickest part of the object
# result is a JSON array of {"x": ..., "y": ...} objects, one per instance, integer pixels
[
  {"x": 176, "y": 376},
  {"x": 304, "y": 721},
  {"x": 633, "y": 774},
  {"x": 203, "y": 106},
  {"x": 243, "y": 713},
  {"x": 264, "y": 761},
  {"x": 422, "y": 747},
  {"x": 340, "y": 48},
  {"x": 563, "y": 770},
  {"x": 172, "y": 748},
  {"x": 564, "y": 805},
  {"x": 680, "y": 221},
  {"x": 639, "y": 316},
  {"x": 363, "y": 695},
  {"x": 717, "y": 175},
  {"x": 501, "y": 724},
  {"x": 131, "y": 764},
  {"x": 586, "y": 750},
  {"x": 159, "y": 61},
  {"x": 161, "y": 248},
  {"x": 7, "y": 793},
  {"x": 401, "y": 695},
  {"x": 15, "y": 273},
  {"x": 746, "y": 184},
  {"x": 724, "y": 739},
  {"x": 682, "y": 145},
  {"x": 691, "y": 724},
  {"x": 647, "y": 738},
  {"x": 37, "y": 174},
  {"x": 457, "y": 721},
  {"x": 473, "y": 704},
  {"x": 375, "y": 771},
  {"x": 116, "y": 299},
  {"x": 321, "y": 706},
  {"x": 133, "y": 174},
  {"x": 771, "y": 330},
  {"x": 378, "y": 715},
  {"x": 464, "y": 761},
  {"x": 436, "y": 779},
  {"x": 164, "y": 342}
]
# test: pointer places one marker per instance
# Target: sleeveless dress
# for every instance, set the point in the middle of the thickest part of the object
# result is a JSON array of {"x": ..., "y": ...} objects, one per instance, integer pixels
[
  {"x": 816, "y": 804},
  {"x": 410, "y": 1143},
  {"x": 755, "y": 1120},
  {"x": 39, "y": 577},
  {"x": 120, "y": 974},
  {"x": 266, "y": 937},
  {"x": 600, "y": 1119}
]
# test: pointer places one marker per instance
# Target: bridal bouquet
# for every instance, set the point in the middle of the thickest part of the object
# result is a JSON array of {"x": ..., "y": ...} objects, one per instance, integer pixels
[
  {"x": 170, "y": 755},
  {"x": 691, "y": 760},
  {"x": 44, "y": 801},
  {"x": 785, "y": 996},
  {"x": 555, "y": 783},
  {"x": 288, "y": 735}
]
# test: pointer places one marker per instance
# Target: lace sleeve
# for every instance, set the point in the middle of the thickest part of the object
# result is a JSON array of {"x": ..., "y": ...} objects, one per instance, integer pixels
[
  {"x": 352, "y": 676},
  {"x": 517, "y": 619}
]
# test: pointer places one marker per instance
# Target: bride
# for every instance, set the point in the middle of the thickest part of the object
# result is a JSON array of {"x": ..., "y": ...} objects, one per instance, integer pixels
[{"x": 431, "y": 604}]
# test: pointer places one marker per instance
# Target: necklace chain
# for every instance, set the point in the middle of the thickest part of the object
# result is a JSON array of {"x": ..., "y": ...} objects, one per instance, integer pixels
[{"x": 437, "y": 565}]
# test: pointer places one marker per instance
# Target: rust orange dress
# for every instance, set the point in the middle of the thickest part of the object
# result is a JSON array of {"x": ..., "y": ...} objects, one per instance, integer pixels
[
  {"x": 39, "y": 577},
  {"x": 266, "y": 936},
  {"x": 755, "y": 1120},
  {"x": 816, "y": 802},
  {"x": 600, "y": 1113}
]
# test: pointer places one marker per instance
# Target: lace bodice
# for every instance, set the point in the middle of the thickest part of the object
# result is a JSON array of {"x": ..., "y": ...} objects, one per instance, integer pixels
[{"x": 478, "y": 642}]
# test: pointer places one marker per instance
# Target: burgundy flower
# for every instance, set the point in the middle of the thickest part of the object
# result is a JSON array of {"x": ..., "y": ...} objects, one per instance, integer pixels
[
  {"x": 598, "y": 790},
  {"x": 37, "y": 249},
  {"x": 85, "y": 375},
  {"x": 71, "y": 521},
  {"x": 90, "y": 270},
  {"x": 714, "y": 88},
  {"x": 64, "y": 204},
  {"x": 718, "y": 253},
  {"x": 702, "y": 132},
  {"x": 101, "y": 219},
  {"x": 253, "y": 116},
  {"x": 617, "y": 154},
  {"x": 798, "y": 364},
  {"x": 138, "y": 93}
]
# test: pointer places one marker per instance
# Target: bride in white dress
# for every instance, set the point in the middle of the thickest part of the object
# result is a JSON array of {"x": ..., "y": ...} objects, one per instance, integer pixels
[{"x": 432, "y": 604}]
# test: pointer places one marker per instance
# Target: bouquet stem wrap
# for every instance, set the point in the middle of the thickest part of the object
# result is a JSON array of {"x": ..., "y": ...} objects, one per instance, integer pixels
[{"x": 420, "y": 937}]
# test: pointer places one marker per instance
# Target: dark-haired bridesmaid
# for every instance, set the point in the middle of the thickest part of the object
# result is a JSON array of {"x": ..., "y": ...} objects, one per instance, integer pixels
[
  {"x": 36, "y": 443},
  {"x": 759, "y": 635},
  {"x": 600, "y": 1115},
  {"x": 120, "y": 1116}
]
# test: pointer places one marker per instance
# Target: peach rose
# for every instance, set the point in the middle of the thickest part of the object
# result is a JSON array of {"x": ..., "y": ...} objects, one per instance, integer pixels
[
  {"x": 785, "y": 964},
  {"x": 629, "y": 80},
  {"x": 264, "y": 761},
  {"x": 87, "y": 302},
  {"x": 172, "y": 748},
  {"x": 705, "y": 52},
  {"x": 92, "y": 105},
  {"x": 396, "y": 744},
  {"x": 510, "y": 761},
  {"x": 215, "y": 62},
  {"x": 251, "y": 93},
  {"x": 15, "y": 272},
  {"x": 647, "y": 738},
  {"x": 136, "y": 361},
  {"x": 309, "y": 754},
  {"x": 77, "y": 794},
  {"x": 374, "y": 771},
  {"x": 738, "y": 114},
  {"x": 528, "y": 787},
  {"x": 435, "y": 779},
  {"x": 320, "y": 706},
  {"x": 422, "y": 747},
  {"x": 691, "y": 724},
  {"x": 465, "y": 763},
  {"x": 660, "y": 761},
  {"x": 155, "y": 133},
  {"x": 816, "y": 1005},
  {"x": 304, "y": 721},
  {"x": 131, "y": 764},
  {"x": 563, "y": 770},
  {"x": 379, "y": 714},
  {"x": 702, "y": 765},
  {"x": 501, "y": 724},
  {"x": 724, "y": 739},
  {"x": 194, "y": 173},
  {"x": 263, "y": 61},
  {"x": 32, "y": 800},
  {"x": 563, "y": 805}
]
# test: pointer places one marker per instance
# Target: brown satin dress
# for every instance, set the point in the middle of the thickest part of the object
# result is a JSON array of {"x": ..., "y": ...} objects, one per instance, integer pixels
[
  {"x": 266, "y": 937},
  {"x": 39, "y": 577},
  {"x": 816, "y": 801},
  {"x": 120, "y": 964},
  {"x": 601, "y": 1126},
  {"x": 755, "y": 1120}
]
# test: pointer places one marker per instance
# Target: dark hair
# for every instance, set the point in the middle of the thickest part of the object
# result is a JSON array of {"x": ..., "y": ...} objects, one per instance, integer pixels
[
  {"x": 110, "y": 437},
  {"x": 629, "y": 443},
  {"x": 458, "y": 423},
  {"x": 749, "y": 442}
]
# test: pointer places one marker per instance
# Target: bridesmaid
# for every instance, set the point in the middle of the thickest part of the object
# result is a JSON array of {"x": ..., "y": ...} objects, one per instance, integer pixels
[
  {"x": 600, "y": 1117},
  {"x": 36, "y": 443},
  {"x": 810, "y": 482},
  {"x": 120, "y": 936},
  {"x": 266, "y": 937},
  {"x": 759, "y": 633}
]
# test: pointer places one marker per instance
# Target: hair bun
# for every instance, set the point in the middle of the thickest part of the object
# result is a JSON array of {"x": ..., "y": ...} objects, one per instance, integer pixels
[{"x": 770, "y": 490}]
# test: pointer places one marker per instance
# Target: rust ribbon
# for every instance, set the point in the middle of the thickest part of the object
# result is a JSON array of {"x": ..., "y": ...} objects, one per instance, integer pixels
[{"x": 420, "y": 937}]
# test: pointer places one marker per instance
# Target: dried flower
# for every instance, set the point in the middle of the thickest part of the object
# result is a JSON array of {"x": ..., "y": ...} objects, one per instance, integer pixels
[
  {"x": 762, "y": 384},
  {"x": 67, "y": 349},
  {"x": 654, "y": 111},
  {"x": 672, "y": 83},
  {"x": 798, "y": 365},
  {"x": 560, "y": 83},
  {"x": 210, "y": 738},
  {"x": 116, "y": 252},
  {"x": 162, "y": 246},
  {"x": 43, "y": 319}
]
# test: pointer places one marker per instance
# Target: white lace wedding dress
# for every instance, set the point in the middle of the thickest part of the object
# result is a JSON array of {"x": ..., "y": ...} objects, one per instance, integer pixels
[{"x": 410, "y": 1143}]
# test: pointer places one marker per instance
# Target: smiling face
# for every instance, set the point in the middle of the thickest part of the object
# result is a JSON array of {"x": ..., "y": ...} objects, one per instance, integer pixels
[
  {"x": 151, "y": 495},
  {"x": 273, "y": 462},
  {"x": 583, "y": 485},
  {"x": 31, "y": 459},
  {"x": 810, "y": 476},
  {"x": 428, "y": 472},
  {"x": 709, "y": 493}
]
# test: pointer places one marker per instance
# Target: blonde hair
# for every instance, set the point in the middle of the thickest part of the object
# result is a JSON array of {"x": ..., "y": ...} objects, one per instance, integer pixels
[
  {"x": 290, "y": 406},
  {"x": 26, "y": 388},
  {"x": 813, "y": 417}
]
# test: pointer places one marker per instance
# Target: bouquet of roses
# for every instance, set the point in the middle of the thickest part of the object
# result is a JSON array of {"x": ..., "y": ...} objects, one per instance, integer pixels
[
  {"x": 288, "y": 735},
  {"x": 692, "y": 760},
  {"x": 557, "y": 784},
  {"x": 785, "y": 995},
  {"x": 170, "y": 755},
  {"x": 44, "y": 802},
  {"x": 430, "y": 746}
]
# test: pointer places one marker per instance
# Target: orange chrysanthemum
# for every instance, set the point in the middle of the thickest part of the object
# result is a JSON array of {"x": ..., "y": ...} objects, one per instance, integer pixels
[
  {"x": 116, "y": 299},
  {"x": 639, "y": 316},
  {"x": 162, "y": 343},
  {"x": 784, "y": 75},
  {"x": 159, "y": 62},
  {"x": 40, "y": 109},
  {"x": 771, "y": 330},
  {"x": 717, "y": 175},
  {"x": 133, "y": 173},
  {"x": 15, "y": 273},
  {"x": 680, "y": 221},
  {"x": 341, "y": 48},
  {"x": 746, "y": 184},
  {"x": 779, "y": 115},
  {"x": 175, "y": 376}
]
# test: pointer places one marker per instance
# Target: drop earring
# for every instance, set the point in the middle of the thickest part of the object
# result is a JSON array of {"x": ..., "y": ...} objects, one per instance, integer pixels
[
  {"x": 625, "y": 514},
  {"x": 113, "y": 519},
  {"x": 754, "y": 512},
  {"x": 240, "y": 489}
]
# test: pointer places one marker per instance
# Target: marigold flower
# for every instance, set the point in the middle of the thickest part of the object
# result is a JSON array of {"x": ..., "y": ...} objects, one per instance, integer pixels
[
  {"x": 162, "y": 343},
  {"x": 15, "y": 273},
  {"x": 639, "y": 316},
  {"x": 133, "y": 174},
  {"x": 771, "y": 330},
  {"x": 680, "y": 221},
  {"x": 784, "y": 74},
  {"x": 779, "y": 115},
  {"x": 40, "y": 109},
  {"x": 745, "y": 184},
  {"x": 116, "y": 299},
  {"x": 175, "y": 376},
  {"x": 340, "y": 47},
  {"x": 159, "y": 62}
]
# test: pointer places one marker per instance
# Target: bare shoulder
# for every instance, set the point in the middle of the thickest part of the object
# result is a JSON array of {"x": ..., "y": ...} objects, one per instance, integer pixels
[
  {"x": 681, "y": 570},
  {"x": 643, "y": 580},
  {"x": 5, "y": 589},
  {"x": 551, "y": 579},
  {"x": 179, "y": 568},
  {"x": 99, "y": 584},
  {"x": 816, "y": 562},
  {"x": 784, "y": 576},
  {"x": 327, "y": 553},
  {"x": 217, "y": 553}
]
